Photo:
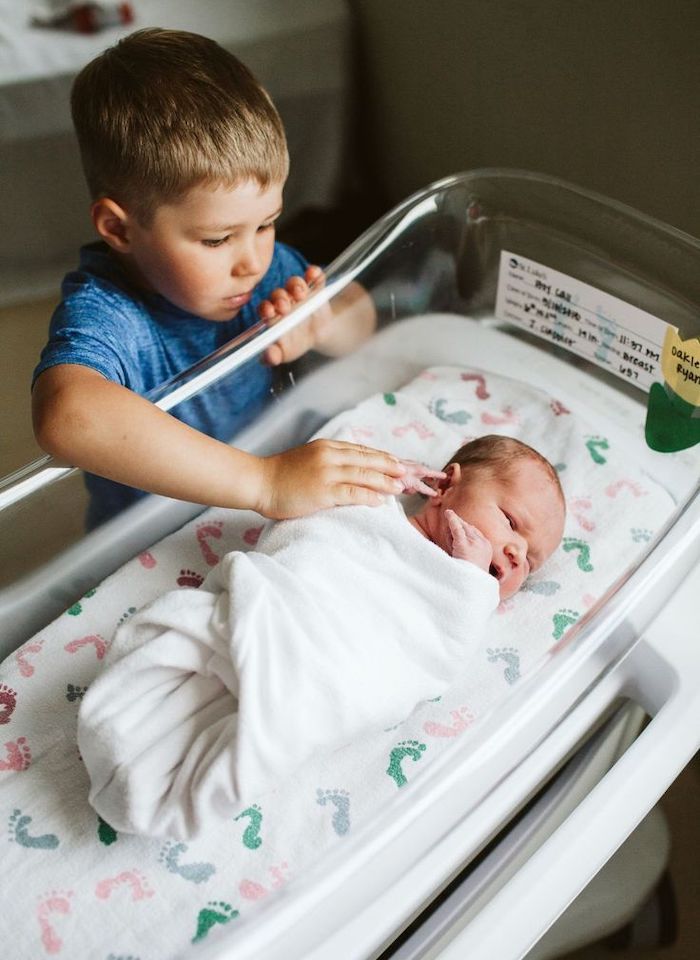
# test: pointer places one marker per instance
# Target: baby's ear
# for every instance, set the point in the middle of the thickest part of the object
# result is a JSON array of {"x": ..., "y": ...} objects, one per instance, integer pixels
[
  {"x": 111, "y": 222},
  {"x": 453, "y": 473}
]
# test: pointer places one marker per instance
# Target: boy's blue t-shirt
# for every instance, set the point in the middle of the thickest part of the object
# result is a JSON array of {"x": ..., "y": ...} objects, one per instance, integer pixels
[{"x": 141, "y": 340}]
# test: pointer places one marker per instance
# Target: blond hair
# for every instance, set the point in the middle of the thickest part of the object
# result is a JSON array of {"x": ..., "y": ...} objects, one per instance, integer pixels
[
  {"x": 165, "y": 110},
  {"x": 497, "y": 454}
]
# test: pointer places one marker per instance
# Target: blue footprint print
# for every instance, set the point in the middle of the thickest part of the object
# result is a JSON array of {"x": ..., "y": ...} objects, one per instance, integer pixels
[
  {"x": 341, "y": 801},
  {"x": 17, "y": 828},
  {"x": 194, "y": 872},
  {"x": 437, "y": 407},
  {"x": 511, "y": 658},
  {"x": 545, "y": 588}
]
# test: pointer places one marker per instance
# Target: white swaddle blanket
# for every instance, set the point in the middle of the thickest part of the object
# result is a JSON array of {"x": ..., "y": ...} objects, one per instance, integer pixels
[{"x": 338, "y": 624}]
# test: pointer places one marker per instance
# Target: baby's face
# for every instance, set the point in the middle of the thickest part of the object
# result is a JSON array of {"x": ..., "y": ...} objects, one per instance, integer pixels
[
  {"x": 209, "y": 250},
  {"x": 519, "y": 512}
]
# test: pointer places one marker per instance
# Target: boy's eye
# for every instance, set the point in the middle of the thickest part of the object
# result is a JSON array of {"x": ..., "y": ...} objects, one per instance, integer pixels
[
  {"x": 266, "y": 226},
  {"x": 215, "y": 243}
]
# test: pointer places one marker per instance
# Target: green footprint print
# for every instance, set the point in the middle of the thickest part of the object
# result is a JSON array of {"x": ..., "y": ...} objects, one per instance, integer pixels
[
  {"x": 106, "y": 834},
  {"x": 216, "y": 911},
  {"x": 251, "y": 835},
  {"x": 17, "y": 828},
  {"x": 77, "y": 607},
  {"x": 412, "y": 749},
  {"x": 583, "y": 560},
  {"x": 594, "y": 445},
  {"x": 563, "y": 619}
]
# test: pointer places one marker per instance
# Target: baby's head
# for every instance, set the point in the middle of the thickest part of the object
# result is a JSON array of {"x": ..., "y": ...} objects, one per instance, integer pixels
[
  {"x": 163, "y": 111},
  {"x": 512, "y": 494}
]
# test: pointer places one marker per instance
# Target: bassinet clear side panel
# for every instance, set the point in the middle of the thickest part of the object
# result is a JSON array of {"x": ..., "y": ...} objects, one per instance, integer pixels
[{"x": 438, "y": 272}]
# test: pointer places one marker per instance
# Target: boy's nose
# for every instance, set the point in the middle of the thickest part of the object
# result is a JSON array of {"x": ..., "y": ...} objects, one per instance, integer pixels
[{"x": 247, "y": 263}]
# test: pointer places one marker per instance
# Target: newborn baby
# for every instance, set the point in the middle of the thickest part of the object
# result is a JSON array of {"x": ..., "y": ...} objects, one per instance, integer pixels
[{"x": 336, "y": 626}]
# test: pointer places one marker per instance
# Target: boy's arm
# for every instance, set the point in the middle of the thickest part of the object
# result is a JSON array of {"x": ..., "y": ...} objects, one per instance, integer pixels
[
  {"x": 335, "y": 329},
  {"x": 88, "y": 421}
]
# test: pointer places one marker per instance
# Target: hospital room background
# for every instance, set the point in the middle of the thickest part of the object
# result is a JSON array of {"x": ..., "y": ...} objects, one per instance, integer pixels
[{"x": 379, "y": 98}]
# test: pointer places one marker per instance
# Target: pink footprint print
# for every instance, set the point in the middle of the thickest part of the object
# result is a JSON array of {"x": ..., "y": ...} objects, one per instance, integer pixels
[
  {"x": 558, "y": 408},
  {"x": 204, "y": 532},
  {"x": 18, "y": 755},
  {"x": 631, "y": 485},
  {"x": 577, "y": 506},
  {"x": 462, "y": 717},
  {"x": 55, "y": 902},
  {"x": 252, "y": 890},
  {"x": 30, "y": 649},
  {"x": 8, "y": 702},
  {"x": 358, "y": 434},
  {"x": 252, "y": 535},
  {"x": 134, "y": 879},
  {"x": 100, "y": 644},
  {"x": 147, "y": 560},
  {"x": 420, "y": 429},
  {"x": 497, "y": 420},
  {"x": 481, "y": 391}
]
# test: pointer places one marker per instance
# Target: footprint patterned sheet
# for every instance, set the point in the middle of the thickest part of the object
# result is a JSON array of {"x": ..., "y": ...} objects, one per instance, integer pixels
[{"x": 72, "y": 886}]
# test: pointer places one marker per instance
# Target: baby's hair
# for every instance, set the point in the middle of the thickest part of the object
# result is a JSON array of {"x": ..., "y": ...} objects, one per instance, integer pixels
[
  {"x": 165, "y": 110},
  {"x": 494, "y": 453}
]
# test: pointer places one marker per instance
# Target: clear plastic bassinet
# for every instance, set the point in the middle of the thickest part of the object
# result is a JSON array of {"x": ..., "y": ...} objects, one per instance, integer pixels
[{"x": 516, "y": 276}]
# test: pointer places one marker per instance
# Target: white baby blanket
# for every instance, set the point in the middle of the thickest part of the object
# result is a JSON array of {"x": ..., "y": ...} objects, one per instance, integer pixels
[{"x": 339, "y": 624}]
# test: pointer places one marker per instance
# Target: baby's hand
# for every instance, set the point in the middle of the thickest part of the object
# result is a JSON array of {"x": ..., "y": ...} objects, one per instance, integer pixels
[
  {"x": 326, "y": 473},
  {"x": 414, "y": 476},
  {"x": 308, "y": 334},
  {"x": 468, "y": 542}
]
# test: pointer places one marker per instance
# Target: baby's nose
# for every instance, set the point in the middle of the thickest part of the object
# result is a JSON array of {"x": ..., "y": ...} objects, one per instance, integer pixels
[{"x": 515, "y": 554}]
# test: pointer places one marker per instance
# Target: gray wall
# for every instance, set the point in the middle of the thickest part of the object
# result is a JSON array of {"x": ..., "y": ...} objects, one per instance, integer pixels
[{"x": 604, "y": 93}]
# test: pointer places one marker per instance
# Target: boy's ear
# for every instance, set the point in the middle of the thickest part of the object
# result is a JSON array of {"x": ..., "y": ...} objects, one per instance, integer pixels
[{"x": 112, "y": 223}]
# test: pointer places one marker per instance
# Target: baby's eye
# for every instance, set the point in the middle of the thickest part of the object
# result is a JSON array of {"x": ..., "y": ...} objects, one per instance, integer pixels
[
  {"x": 510, "y": 520},
  {"x": 266, "y": 226},
  {"x": 215, "y": 243}
]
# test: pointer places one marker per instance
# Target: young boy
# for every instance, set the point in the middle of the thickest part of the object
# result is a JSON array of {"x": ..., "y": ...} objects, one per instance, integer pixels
[
  {"x": 335, "y": 626},
  {"x": 185, "y": 157}
]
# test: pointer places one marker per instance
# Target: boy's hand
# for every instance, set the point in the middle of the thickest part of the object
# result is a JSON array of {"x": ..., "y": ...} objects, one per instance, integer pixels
[
  {"x": 468, "y": 542},
  {"x": 326, "y": 473},
  {"x": 308, "y": 334}
]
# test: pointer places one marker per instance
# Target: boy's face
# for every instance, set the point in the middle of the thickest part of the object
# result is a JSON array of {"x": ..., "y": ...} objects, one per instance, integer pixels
[
  {"x": 207, "y": 251},
  {"x": 519, "y": 512}
]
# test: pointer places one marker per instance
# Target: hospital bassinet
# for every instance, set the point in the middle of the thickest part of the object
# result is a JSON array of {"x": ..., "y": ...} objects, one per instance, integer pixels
[{"x": 495, "y": 280}]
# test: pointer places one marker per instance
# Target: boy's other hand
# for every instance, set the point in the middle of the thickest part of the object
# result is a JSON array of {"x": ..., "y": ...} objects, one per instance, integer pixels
[
  {"x": 308, "y": 334},
  {"x": 468, "y": 542},
  {"x": 326, "y": 473}
]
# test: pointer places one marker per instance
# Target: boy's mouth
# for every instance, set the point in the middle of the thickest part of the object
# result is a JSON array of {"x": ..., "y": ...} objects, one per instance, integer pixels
[{"x": 239, "y": 300}]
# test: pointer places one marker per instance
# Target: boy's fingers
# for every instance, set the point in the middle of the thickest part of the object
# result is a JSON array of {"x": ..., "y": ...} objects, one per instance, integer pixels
[
  {"x": 315, "y": 275},
  {"x": 297, "y": 288}
]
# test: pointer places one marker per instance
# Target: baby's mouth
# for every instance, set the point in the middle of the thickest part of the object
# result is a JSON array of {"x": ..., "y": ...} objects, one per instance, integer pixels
[{"x": 495, "y": 571}]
